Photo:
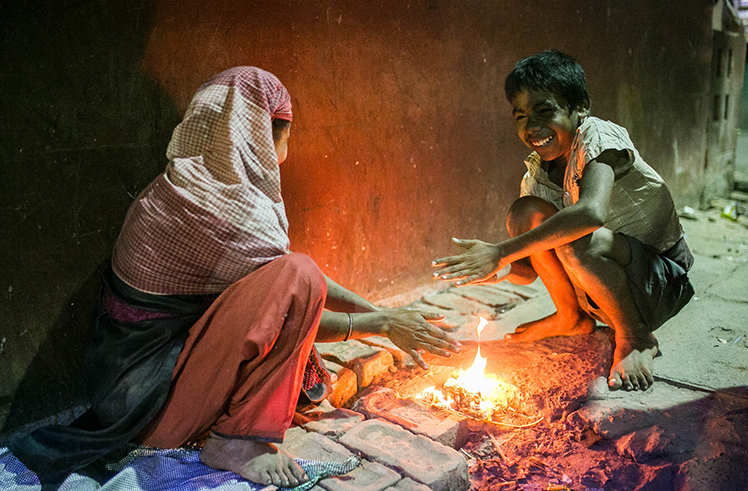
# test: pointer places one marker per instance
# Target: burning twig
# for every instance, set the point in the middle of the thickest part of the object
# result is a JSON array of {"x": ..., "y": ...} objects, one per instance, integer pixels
[
  {"x": 538, "y": 462},
  {"x": 516, "y": 426},
  {"x": 468, "y": 455},
  {"x": 498, "y": 445}
]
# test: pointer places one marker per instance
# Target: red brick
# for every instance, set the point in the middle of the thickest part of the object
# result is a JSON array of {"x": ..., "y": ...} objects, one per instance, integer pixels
[
  {"x": 369, "y": 476},
  {"x": 445, "y": 428},
  {"x": 419, "y": 458}
]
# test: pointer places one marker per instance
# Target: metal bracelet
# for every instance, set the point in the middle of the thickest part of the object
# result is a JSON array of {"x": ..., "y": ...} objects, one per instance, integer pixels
[{"x": 350, "y": 327}]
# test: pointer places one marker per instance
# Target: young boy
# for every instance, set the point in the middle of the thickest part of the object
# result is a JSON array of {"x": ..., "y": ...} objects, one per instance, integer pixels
[{"x": 594, "y": 221}]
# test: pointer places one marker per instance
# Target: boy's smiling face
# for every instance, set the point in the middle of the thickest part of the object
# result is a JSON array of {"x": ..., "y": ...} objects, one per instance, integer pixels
[{"x": 546, "y": 124}]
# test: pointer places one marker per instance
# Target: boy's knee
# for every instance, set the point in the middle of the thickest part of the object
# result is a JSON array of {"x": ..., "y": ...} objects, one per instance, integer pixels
[
  {"x": 573, "y": 254},
  {"x": 584, "y": 252},
  {"x": 526, "y": 213}
]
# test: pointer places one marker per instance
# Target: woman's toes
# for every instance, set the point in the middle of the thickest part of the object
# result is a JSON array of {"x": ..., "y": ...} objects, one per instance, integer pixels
[
  {"x": 277, "y": 478},
  {"x": 266, "y": 478},
  {"x": 298, "y": 473}
]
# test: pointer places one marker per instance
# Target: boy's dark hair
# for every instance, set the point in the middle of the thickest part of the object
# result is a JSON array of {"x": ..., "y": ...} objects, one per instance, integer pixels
[
  {"x": 550, "y": 70},
  {"x": 278, "y": 126}
]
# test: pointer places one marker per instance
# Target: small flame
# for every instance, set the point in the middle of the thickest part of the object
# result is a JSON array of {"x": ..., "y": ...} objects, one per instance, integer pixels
[
  {"x": 481, "y": 324},
  {"x": 492, "y": 393}
]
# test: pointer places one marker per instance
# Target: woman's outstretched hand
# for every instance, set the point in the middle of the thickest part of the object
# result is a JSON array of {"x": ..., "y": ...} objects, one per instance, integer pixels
[
  {"x": 413, "y": 331},
  {"x": 480, "y": 263}
]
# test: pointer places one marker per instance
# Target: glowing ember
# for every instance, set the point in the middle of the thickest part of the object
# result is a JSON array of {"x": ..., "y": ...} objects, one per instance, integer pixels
[{"x": 472, "y": 392}]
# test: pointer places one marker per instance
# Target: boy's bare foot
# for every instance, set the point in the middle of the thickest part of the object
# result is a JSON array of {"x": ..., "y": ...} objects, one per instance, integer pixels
[
  {"x": 633, "y": 362},
  {"x": 550, "y": 326},
  {"x": 255, "y": 461}
]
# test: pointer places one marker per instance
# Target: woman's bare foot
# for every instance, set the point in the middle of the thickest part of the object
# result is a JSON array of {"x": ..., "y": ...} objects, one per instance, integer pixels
[
  {"x": 550, "y": 326},
  {"x": 255, "y": 461},
  {"x": 633, "y": 362}
]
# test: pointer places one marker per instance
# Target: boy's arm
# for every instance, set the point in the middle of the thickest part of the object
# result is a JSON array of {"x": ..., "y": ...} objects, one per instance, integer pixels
[{"x": 481, "y": 260}]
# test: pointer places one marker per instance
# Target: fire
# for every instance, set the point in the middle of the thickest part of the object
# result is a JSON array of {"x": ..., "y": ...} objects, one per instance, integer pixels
[{"x": 472, "y": 392}]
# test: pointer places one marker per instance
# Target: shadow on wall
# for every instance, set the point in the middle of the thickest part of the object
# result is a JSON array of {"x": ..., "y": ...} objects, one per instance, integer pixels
[
  {"x": 48, "y": 388},
  {"x": 83, "y": 132}
]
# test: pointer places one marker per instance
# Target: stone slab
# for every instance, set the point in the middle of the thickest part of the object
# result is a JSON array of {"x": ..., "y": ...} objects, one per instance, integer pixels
[
  {"x": 313, "y": 446},
  {"x": 344, "y": 384},
  {"x": 468, "y": 331},
  {"x": 369, "y": 476},
  {"x": 531, "y": 290},
  {"x": 452, "y": 318},
  {"x": 423, "y": 460},
  {"x": 408, "y": 484},
  {"x": 452, "y": 301},
  {"x": 492, "y": 297},
  {"x": 448, "y": 429},
  {"x": 613, "y": 414},
  {"x": 536, "y": 307},
  {"x": 384, "y": 343},
  {"x": 345, "y": 353},
  {"x": 330, "y": 421}
]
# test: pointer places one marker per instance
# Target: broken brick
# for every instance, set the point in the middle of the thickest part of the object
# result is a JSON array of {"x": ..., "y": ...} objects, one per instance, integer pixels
[
  {"x": 445, "y": 428},
  {"x": 344, "y": 384},
  {"x": 367, "y": 362},
  {"x": 419, "y": 458},
  {"x": 369, "y": 476},
  {"x": 312, "y": 446},
  {"x": 330, "y": 421}
]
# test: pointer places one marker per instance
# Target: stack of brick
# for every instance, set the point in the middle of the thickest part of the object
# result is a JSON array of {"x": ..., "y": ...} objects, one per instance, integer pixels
[{"x": 403, "y": 446}]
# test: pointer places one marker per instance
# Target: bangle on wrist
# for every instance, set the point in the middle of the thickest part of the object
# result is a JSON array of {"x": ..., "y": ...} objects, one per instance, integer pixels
[{"x": 350, "y": 327}]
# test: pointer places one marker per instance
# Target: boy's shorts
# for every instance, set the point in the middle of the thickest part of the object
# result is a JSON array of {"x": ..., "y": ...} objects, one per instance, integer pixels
[{"x": 659, "y": 283}]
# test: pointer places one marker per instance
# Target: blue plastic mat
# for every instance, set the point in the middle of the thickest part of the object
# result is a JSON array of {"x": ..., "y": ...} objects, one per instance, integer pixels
[{"x": 136, "y": 468}]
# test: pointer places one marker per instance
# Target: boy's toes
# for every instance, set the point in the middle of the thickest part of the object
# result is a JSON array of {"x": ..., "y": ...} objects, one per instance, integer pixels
[
  {"x": 645, "y": 381},
  {"x": 614, "y": 381}
]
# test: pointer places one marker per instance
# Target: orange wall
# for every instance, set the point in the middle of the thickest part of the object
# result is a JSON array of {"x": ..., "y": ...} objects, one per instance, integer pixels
[{"x": 401, "y": 138}]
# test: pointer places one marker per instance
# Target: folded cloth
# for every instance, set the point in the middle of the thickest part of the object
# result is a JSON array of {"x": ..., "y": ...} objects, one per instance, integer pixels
[{"x": 138, "y": 468}]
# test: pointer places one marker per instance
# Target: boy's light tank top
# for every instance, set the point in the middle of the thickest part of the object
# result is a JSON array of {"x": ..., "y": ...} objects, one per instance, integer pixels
[{"x": 641, "y": 205}]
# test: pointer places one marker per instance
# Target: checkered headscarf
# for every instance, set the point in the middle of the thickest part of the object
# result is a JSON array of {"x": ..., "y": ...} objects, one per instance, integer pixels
[{"x": 216, "y": 213}]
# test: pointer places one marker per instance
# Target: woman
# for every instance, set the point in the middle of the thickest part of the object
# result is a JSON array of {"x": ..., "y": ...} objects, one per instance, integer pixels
[{"x": 206, "y": 321}]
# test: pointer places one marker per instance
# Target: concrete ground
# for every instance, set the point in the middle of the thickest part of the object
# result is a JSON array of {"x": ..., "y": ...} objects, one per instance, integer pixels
[
  {"x": 688, "y": 432},
  {"x": 561, "y": 429}
]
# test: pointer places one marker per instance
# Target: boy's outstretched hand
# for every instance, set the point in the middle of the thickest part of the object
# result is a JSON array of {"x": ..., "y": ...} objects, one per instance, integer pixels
[{"x": 480, "y": 263}]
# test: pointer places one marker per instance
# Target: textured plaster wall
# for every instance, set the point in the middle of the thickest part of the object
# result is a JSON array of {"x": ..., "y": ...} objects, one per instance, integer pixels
[{"x": 401, "y": 138}]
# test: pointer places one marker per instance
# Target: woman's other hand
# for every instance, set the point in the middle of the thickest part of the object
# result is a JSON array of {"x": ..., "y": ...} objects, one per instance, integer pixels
[{"x": 413, "y": 331}]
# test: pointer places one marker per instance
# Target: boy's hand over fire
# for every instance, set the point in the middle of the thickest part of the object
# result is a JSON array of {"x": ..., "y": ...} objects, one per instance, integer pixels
[{"x": 480, "y": 263}]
